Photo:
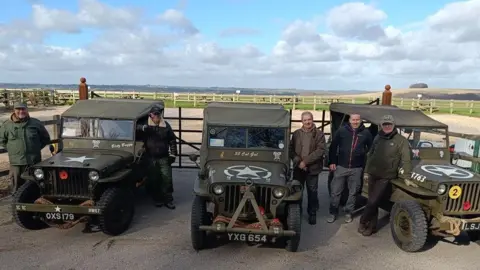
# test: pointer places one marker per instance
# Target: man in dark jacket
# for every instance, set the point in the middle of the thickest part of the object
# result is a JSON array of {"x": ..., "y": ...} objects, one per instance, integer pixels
[
  {"x": 307, "y": 149},
  {"x": 388, "y": 159},
  {"x": 346, "y": 159},
  {"x": 160, "y": 151},
  {"x": 24, "y": 137}
]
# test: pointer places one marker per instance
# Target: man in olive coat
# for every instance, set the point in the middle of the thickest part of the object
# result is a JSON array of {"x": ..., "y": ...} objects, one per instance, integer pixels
[
  {"x": 388, "y": 159},
  {"x": 23, "y": 137}
]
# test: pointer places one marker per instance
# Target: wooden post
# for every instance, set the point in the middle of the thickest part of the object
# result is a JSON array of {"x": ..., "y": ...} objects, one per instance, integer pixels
[
  {"x": 56, "y": 133},
  {"x": 387, "y": 96},
  {"x": 83, "y": 89}
]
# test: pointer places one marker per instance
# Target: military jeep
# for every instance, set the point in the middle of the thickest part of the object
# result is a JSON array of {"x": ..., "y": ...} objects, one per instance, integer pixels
[
  {"x": 244, "y": 190},
  {"x": 439, "y": 199},
  {"x": 92, "y": 177}
]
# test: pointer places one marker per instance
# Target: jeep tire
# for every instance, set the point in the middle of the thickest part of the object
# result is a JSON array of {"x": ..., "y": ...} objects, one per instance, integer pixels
[
  {"x": 294, "y": 223},
  {"x": 27, "y": 193},
  {"x": 118, "y": 209},
  {"x": 408, "y": 225},
  {"x": 199, "y": 217}
]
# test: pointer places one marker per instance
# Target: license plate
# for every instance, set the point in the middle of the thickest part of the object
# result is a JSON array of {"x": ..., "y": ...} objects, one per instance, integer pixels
[
  {"x": 472, "y": 226},
  {"x": 247, "y": 237},
  {"x": 60, "y": 216}
]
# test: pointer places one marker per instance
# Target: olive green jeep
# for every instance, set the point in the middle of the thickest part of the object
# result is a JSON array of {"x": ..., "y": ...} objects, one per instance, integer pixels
[
  {"x": 440, "y": 198},
  {"x": 93, "y": 174},
  {"x": 244, "y": 191}
]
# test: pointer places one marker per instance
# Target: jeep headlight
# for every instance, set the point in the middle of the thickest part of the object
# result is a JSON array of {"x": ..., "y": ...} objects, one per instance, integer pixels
[
  {"x": 38, "y": 173},
  {"x": 278, "y": 192},
  {"x": 218, "y": 189},
  {"x": 93, "y": 175},
  {"x": 441, "y": 189}
]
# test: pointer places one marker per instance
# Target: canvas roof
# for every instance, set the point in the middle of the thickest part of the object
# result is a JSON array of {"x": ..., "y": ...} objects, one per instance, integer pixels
[
  {"x": 246, "y": 114},
  {"x": 374, "y": 113},
  {"x": 112, "y": 108}
]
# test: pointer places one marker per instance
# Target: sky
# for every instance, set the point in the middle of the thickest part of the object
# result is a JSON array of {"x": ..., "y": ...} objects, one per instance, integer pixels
[{"x": 317, "y": 45}]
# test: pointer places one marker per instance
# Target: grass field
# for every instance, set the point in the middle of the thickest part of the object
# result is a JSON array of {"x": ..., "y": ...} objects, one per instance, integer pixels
[{"x": 312, "y": 101}]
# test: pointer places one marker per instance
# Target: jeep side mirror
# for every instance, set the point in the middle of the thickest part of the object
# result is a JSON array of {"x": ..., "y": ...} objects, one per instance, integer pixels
[
  {"x": 193, "y": 157},
  {"x": 52, "y": 149}
]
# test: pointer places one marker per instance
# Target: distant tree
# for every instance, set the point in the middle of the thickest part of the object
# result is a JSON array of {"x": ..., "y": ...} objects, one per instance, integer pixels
[{"x": 419, "y": 85}]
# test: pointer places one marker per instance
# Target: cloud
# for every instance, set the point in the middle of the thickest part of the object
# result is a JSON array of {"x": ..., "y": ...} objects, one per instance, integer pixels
[
  {"x": 239, "y": 31},
  {"x": 357, "y": 49}
]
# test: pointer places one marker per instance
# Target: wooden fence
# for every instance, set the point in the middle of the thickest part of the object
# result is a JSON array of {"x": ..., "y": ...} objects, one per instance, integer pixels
[
  {"x": 199, "y": 100},
  {"x": 180, "y": 132}
]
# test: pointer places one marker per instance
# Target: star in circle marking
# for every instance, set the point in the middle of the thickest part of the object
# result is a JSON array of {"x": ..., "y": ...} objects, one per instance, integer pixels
[{"x": 78, "y": 159}]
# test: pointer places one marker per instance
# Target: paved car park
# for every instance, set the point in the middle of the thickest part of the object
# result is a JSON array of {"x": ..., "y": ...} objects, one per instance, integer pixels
[{"x": 160, "y": 239}]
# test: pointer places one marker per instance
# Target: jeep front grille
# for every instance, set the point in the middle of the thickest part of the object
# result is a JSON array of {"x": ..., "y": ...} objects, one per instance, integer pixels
[
  {"x": 76, "y": 185},
  {"x": 233, "y": 195},
  {"x": 470, "y": 193}
]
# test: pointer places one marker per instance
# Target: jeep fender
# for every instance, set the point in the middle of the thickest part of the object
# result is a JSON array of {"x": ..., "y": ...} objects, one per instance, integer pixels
[
  {"x": 115, "y": 177},
  {"x": 420, "y": 191},
  {"x": 200, "y": 188},
  {"x": 294, "y": 196}
]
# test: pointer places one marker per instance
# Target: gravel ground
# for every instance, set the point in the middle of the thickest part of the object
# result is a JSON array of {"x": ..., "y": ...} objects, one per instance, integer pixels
[{"x": 160, "y": 239}]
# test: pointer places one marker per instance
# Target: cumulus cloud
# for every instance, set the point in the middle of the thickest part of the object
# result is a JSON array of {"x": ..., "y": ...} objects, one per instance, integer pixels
[{"x": 357, "y": 50}]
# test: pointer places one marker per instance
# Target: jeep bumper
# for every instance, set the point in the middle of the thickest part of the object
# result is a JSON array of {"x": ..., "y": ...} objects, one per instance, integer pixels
[
  {"x": 454, "y": 226},
  {"x": 57, "y": 208},
  {"x": 272, "y": 231}
]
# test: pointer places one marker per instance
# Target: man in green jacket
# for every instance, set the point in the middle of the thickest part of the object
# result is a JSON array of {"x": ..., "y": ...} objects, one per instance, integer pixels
[
  {"x": 24, "y": 138},
  {"x": 388, "y": 159}
]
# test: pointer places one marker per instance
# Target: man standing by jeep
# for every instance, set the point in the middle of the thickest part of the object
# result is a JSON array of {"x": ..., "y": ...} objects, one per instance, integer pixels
[
  {"x": 347, "y": 154},
  {"x": 23, "y": 137},
  {"x": 388, "y": 159},
  {"x": 159, "y": 139},
  {"x": 307, "y": 149}
]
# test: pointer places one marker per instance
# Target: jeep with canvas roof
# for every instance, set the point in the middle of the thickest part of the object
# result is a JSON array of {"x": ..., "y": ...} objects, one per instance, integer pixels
[
  {"x": 244, "y": 190},
  {"x": 440, "y": 198},
  {"x": 95, "y": 173}
]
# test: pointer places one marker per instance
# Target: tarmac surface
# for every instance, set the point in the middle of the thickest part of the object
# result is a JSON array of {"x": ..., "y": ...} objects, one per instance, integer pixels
[{"x": 160, "y": 239}]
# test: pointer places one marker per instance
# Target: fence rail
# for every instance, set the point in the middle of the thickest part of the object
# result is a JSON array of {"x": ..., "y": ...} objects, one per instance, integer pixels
[
  {"x": 180, "y": 132},
  {"x": 199, "y": 100}
]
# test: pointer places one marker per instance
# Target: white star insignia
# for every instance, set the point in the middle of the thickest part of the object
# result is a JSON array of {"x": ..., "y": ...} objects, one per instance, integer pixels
[
  {"x": 58, "y": 209},
  {"x": 78, "y": 159},
  {"x": 247, "y": 171}
]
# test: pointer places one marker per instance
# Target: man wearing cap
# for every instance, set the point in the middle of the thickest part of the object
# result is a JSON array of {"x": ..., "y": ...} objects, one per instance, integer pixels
[
  {"x": 23, "y": 137},
  {"x": 388, "y": 159},
  {"x": 160, "y": 151}
]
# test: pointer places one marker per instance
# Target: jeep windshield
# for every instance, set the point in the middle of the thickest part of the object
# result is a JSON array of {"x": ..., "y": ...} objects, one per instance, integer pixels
[
  {"x": 425, "y": 137},
  {"x": 246, "y": 137},
  {"x": 97, "y": 128}
]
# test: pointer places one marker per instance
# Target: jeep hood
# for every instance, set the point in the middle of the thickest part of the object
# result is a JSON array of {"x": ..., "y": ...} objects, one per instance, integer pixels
[
  {"x": 443, "y": 171},
  {"x": 97, "y": 159},
  {"x": 267, "y": 173}
]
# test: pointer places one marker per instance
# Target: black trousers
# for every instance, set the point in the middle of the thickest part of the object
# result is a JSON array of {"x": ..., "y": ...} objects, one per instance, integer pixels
[
  {"x": 378, "y": 190},
  {"x": 310, "y": 183}
]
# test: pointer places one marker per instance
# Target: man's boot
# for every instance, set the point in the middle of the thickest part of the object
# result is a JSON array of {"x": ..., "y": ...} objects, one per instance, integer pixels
[
  {"x": 331, "y": 218},
  {"x": 170, "y": 205}
]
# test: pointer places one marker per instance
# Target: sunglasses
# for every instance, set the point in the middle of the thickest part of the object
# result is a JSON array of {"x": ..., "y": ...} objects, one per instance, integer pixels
[{"x": 156, "y": 113}]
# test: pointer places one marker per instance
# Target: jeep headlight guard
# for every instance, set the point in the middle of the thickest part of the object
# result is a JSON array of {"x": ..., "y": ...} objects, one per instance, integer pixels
[
  {"x": 278, "y": 193},
  {"x": 218, "y": 189},
  {"x": 93, "y": 175},
  {"x": 442, "y": 188},
  {"x": 38, "y": 173}
]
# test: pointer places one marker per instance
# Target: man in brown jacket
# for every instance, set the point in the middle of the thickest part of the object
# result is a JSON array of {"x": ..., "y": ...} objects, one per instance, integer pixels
[{"x": 307, "y": 149}]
